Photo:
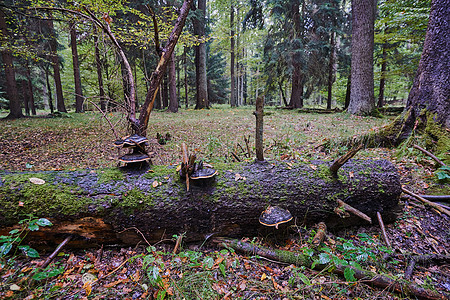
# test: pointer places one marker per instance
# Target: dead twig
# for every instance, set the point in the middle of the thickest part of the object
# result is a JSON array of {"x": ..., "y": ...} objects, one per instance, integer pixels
[
  {"x": 57, "y": 250},
  {"x": 434, "y": 205},
  {"x": 430, "y": 155},
  {"x": 343, "y": 159},
  {"x": 343, "y": 208},
  {"x": 383, "y": 230}
]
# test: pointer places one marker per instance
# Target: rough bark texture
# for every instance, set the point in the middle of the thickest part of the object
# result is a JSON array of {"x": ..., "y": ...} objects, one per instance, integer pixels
[
  {"x": 431, "y": 88},
  {"x": 362, "y": 98},
  {"x": 15, "y": 111},
  {"x": 100, "y": 204},
  {"x": 200, "y": 58},
  {"x": 382, "y": 77},
  {"x": 76, "y": 70}
]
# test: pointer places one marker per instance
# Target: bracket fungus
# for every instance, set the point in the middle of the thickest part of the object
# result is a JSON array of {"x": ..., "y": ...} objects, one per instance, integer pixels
[
  {"x": 136, "y": 144},
  {"x": 274, "y": 216}
]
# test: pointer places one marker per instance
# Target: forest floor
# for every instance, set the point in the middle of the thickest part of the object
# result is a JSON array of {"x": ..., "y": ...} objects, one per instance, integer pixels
[{"x": 204, "y": 271}]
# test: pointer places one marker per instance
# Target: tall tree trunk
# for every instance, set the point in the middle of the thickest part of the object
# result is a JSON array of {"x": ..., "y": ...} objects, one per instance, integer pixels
[
  {"x": 297, "y": 73},
  {"x": 431, "y": 88},
  {"x": 331, "y": 69},
  {"x": 15, "y": 111},
  {"x": 200, "y": 59},
  {"x": 76, "y": 69},
  {"x": 382, "y": 76},
  {"x": 141, "y": 125},
  {"x": 30, "y": 90},
  {"x": 60, "y": 106},
  {"x": 232, "y": 54},
  {"x": 173, "y": 104},
  {"x": 165, "y": 92},
  {"x": 49, "y": 89},
  {"x": 362, "y": 98},
  {"x": 186, "y": 96},
  {"x": 98, "y": 64},
  {"x": 347, "y": 92},
  {"x": 25, "y": 96}
]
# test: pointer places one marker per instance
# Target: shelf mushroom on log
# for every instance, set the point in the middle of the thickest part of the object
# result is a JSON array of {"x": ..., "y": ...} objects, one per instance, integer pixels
[
  {"x": 97, "y": 207},
  {"x": 138, "y": 153}
]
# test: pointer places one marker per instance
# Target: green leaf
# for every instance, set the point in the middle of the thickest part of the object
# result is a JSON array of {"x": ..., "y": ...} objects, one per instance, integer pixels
[
  {"x": 222, "y": 269},
  {"x": 33, "y": 227},
  {"x": 324, "y": 258},
  {"x": 5, "y": 248},
  {"x": 348, "y": 274},
  {"x": 304, "y": 279},
  {"x": 208, "y": 262},
  {"x": 14, "y": 231},
  {"x": 44, "y": 222},
  {"x": 28, "y": 251}
]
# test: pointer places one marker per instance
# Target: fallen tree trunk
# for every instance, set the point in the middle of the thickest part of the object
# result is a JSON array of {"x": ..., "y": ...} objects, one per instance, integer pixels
[{"x": 123, "y": 206}]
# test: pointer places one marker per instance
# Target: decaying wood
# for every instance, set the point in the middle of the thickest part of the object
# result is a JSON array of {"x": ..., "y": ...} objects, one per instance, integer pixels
[
  {"x": 430, "y": 155},
  {"x": 343, "y": 159},
  {"x": 299, "y": 259},
  {"x": 432, "y": 204},
  {"x": 424, "y": 259},
  {"x": 96, "y": 209},
  {"x": 344, "y": 208},
  {"x": 383, "y": 230},
  {"x": 259, "y": 143},
  {"x": 320, "y": 234}
]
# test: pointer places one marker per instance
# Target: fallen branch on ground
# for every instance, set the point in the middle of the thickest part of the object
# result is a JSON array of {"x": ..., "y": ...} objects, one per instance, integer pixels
[
  {"x": 434, "y": 205},
  {"x": 298, "y": 259}
]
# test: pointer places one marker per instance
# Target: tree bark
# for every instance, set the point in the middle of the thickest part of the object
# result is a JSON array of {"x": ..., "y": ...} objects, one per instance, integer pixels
[
  {"x": 60, "y": 105},
  {"x": 15, "y": 111},
  {"x": 173, "y": 99},
  {"x": 362, "y": 99},
  {"x": 98, "y": 64},
  {"x": 200, "y": 58},
  {"x": 431, "y": 88},
  {"x": 158, "y": 205},
  {"x": 49, "y": 89},
  {"x": 30, "y": 90},
  {"x": 380, "y": 103},
  {"x": 331, "y": 69},
  {"x": 297, "y": 72},
  {"x": 76, "y": 69},
  {"x": 141, "y": 126},
  {"x": 232, "y": 59}
]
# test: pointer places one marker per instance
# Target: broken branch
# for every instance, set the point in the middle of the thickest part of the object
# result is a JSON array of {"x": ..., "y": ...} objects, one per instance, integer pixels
[
  {"x": 383, "y": 230},
  {"x": 350, "y": 209},
  {"x": 430, "y": 155},
  {"x": 434, "y": 205},
  {"x": 343, "y": 159}
]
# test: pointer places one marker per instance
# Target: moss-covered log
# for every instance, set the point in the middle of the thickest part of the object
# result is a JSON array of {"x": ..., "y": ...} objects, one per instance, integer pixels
[{"x": 102, "y": 204}]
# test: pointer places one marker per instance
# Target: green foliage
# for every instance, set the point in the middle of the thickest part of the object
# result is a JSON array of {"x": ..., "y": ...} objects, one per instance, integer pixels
[
  {"x": 16, "y": 236},
  {"x": 443, "y": 174}
]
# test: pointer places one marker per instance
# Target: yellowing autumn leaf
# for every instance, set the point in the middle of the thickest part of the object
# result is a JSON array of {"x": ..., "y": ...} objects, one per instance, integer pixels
[
  {"x": 178, "y": 168},
  {"x": 155, "y": 183},
  {"x": 263, "y": 276},
  {"x": 37, "y": 180},
  {"x": 314, "y": 167}
]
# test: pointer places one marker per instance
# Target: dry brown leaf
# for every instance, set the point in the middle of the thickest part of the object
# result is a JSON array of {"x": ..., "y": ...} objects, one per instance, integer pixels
[
  {"x": 314, "y": 167},
  {"x": 155, "y": 183}
]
